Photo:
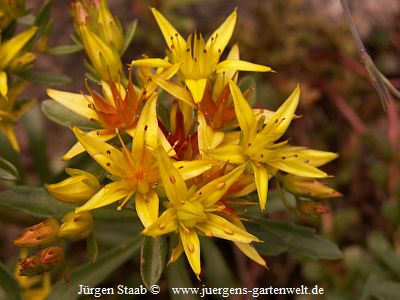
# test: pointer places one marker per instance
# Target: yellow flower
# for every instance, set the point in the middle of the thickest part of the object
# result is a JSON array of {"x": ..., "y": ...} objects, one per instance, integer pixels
[
  {"x": 258, "y": 145},
  {"x": 195, "y": 211},
  {"x": 198, "y": 59},
  {"x": 118, "y": 108},
  {"x": 135, "y": 171}
]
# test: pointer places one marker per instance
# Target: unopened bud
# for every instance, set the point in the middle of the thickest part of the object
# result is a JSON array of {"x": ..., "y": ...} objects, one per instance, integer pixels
[
  {"x": 76, "y": 226},
  {"x": 312, "y": 208},
  {"x": 109, "y": 28},
  {"x": 51, "y": 256},
  {"x": 40, "y": 234},
  {"x": 22, "y": 62},
  {"x": 77, "y": 189},
  {"x": 308, "y": 187},
  {"x": 41, "y": 262}
]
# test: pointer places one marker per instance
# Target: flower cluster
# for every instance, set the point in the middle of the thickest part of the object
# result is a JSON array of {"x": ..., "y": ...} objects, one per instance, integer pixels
[{"x": 211, "y": 151}]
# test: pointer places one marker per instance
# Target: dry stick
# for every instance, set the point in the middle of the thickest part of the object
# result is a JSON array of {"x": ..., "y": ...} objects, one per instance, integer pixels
[{"x": 381, "y": 84}]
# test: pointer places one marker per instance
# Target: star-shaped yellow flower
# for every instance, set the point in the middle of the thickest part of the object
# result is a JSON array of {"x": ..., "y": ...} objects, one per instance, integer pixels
[
  {"x": 135, "y": 171},
  {"x": 198, "y": 59},
  {"x": 258, "y": 145},
  {"x": 195, "y": 212}
]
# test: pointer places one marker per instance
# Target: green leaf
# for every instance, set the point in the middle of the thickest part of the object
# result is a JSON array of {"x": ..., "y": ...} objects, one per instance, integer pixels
[
  {"x": 65, "y": 117},
  {"x": 93, "y": 274},
  {"x": 130, "y": 32},
  {"x": 281, "y": 236},
  {"x": 37, "y": 202},
  {"x": 33, "y": 123},
  {"x": 43, "y": 15},
  {"x": 34, "y": 201},
  {"x": 216, "y": 270},
  {"x": 46, "y": 78},
  {"x": 8, "y": 171},
  {"x": 64, "y": 49},
  {"x": 9, "y": 285},
  {"x": 384, "y": 252},
  {"x": 152, "y": 259},
  {"x": 178, "y": 277},
  {"x": 387, "y": 291}
]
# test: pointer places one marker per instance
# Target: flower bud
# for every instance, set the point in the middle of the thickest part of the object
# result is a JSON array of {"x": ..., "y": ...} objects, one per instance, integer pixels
[
  {"x": 104, "y": 58},
  {"x": 51, "y": 256},
  {"x": 110, "y": 29},
  {"x": 78, "y": 188},
  {"x": 22, "y": 62},
  {"x": 76, "y": 226},
  {"x": 40, "y": 234},
  {"x": 307, "y": 187},
  {"x": 312, "y": 208},
  {"x": 41, "y": 262}
]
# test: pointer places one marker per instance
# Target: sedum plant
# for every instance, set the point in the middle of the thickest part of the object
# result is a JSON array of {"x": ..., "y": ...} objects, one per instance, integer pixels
[{"x": 199, "y": 172}]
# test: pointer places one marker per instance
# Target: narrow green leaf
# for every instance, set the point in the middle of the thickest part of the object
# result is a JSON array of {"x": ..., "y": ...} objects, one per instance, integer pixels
[
  {"x": 93, "y": 274},
  {"x": 33, "y": 123},
  {"x": 64, "y": 49},
  {"x": 152, "y": 259},
  {"x": 296, "y": 238},
  {"x": 129, "y": 34},
  {"x": 384, "y": 252},
  {"x": 27, "y": 20},
  {"x": 8, "y": 171},
  {"x": 91, "y": 246},
  {"x": 387, "y": 291},
  {"x": 9, "y": 285},
  {"x": 43, "y": 15},
  {"x": 65, "y": 117},
  {"x": 178, "y": 277},
  {"x": 47, "y": 78},
  {"x": 39, "y": 203},
  {"x": 216, "y": 269}
]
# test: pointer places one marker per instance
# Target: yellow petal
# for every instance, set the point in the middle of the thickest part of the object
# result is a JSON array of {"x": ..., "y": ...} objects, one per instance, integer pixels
[
  {"x": 191, "y": 246},
  {"x": 232, "y": 153},
  {"x": 173, "y": 183},
  {"x": 207, "y": 137},
  {"x": 281, "y": 119},
  {"x": 261, "y": 179},
  {"x": 165, "y": 144},
  {"x": 147, "y": 207},
  {"x": 295, "y": 165},
  {"x": 10, "y": 134},
  {"x": 110, "y": 158},
  {"x": 219, "y": 227},
  {"x": 240, "y": 65},
  {"x": 165, "y": 223},
  {"x": 221, "y": 36},
  {"x": 169, "y": 32},
  {"x": 197, "y": 88},
  {"x": 78, "y": 103},
  {"x": 111, "y": 193},
  {"x": 175, "y": 90},
  {"x": 190, "y": 169},
  {"x": 248, "y": 249},
  {"x": 316, "y": 158},
  {"x": 147, "y": 127},
  {"x": 101, "y": 135},
  {"x": 213, "y": 191},
  {"x": 176, "y": 252},
  {"x": 3, "y": 83},
  {"x": 151, "y": 62},
  {"x": 244, "y": 114},
  {"x": 10, "y": 49}
]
